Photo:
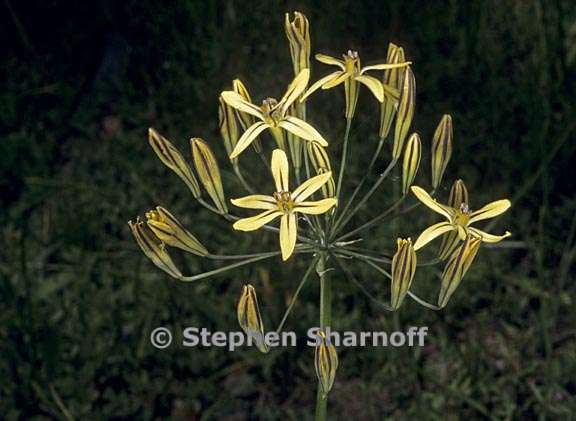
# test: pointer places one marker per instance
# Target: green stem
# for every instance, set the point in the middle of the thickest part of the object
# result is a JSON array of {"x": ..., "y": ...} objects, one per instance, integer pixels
[
  {"x": 243, "y": 181},
  {"x": 325, "y": 321},
  {"x": 344, "y": 156},
  {"x": 373, "y": 220},
  {"x": 361, "y": 183},
  {"x": 366, "y": 197},
  {"x": 296, "y": 293},
  {"x": 423, "y": 302}
]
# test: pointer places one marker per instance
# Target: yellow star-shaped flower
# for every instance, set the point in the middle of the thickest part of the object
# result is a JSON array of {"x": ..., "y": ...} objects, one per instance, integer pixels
[
  {"x": 284, "y": 204},
  {"x": 273, "y": 115},
  {"x": 459, "y": 219}
]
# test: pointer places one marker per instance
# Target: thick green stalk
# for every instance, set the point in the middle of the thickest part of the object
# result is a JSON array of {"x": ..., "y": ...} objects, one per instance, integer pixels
[{"x": 325, "y": 321}]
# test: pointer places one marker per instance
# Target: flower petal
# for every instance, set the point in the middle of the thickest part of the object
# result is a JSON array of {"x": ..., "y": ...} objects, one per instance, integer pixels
[
  {"x": 425, "y": 198},
  {"x": 317, "y": 207},
  {"x": 490, "y": 210},
  {"x": 255, "y": 222},
  {"x": 280, "y": 170},
  {"x": 248, "y": 137},
  {"x": 295, "y": 89},
  {"x": 373, "y": 84},
  {"x": 385, "y": 66},
  {"x": 310, "y": 186},
  {"x": 288, "y": 232},
  {"x": 337, "y": 81},
  {"x": 320, "y": 82},
  {"x": 333, "y": 61},
  {"x": 255, "y": 201},
  {"x": 431, "y": 233},
  {"x": 487, "y": 237},
  {"x": 302, "y": 129},
  {"x": 236, "y": 100}
]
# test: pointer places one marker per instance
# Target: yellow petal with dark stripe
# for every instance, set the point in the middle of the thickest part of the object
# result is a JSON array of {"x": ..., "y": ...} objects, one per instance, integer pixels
[
  {"x": 321, "y": 163},
  {"x": 248, "y": 137},
  {"x": 170, "y": 156},
  {"x": 487, "y": 237},
  {"x": 288, "y": 235},
  {"x": 295, "y": 89},
  {"x": 309, "y": 187},
  {"x": 405, "y": 112},
  {"x": 425, "y": 198},
  {"x": 153, "y": 249},
  {"x": 373, "y": 84},
  {"x": 456, "y": 268},
  {"x": 489, "y": 211},
  {"x": 255, "y": 201},
  {"x": 302, "y": 129},
  {"x": 412, "y": 155},
  {"x": 249, "y": 317},
  {"x": 319, "y": 83},
  {"x": 171, "y": 232},
  {"x": 255, "y": 222},
  {"x": 238, "y": 102},
  {"x": 403, "y": 270},
  {"x": 441, "y": 149},
  {"x": 208, "y": 172},
  {"x": 325, "y": 363},
  {"x": 323, "y": 58},
  {"x": 280, "y": 170},
  {"x": 315, "y": 208},
  {"x": 431, "y": 233}
]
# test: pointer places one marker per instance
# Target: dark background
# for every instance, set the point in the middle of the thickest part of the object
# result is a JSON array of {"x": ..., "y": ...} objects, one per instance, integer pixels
[{"x": 82, "y": 82}]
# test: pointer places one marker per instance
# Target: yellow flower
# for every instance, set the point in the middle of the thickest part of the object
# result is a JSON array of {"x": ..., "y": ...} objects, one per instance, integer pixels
[
  {"x": 273, "y": 115},
  {"x": 350, "y": 73},
  {"x": 283, "y": 203},
  {"x": 459, "y": 219}
]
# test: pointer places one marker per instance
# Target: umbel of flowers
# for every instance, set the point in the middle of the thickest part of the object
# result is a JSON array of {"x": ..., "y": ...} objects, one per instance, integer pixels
[{"x": 306, "y": 204}]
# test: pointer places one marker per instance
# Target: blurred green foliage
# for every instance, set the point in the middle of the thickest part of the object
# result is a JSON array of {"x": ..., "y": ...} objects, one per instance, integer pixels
[{"x": 81, "y": 82}]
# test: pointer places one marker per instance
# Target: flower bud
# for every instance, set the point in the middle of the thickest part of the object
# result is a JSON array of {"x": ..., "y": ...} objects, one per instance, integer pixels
[
  {"x": 321, "y": 163},
  {"x": 441, "y": 149},
  {"x": 171, "y": 232},
  {"x": 403, "y": 269},
  {"x": 405, "y": 112},
  {"x": 457, "y": 266},
  {"x": 246, "y": 120},
  {"x": 170, "y": 156},
  {"x": 208, "y": 172},
  {"x": 228, "y": 125},
  {"x": 392, "y": 83},
  {"x": 412, "y": 155},
  {"x": 298, "y": 33},
  {"x": 249, "y": 317},
  {"x": 450, "y": 240},
  {"x": 325, "y": 363},
  {"x": 153, "y": 249}
]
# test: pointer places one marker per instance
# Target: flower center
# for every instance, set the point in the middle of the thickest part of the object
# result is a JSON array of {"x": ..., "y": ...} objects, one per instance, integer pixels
[
  {"x": 351, "y": 62},
  {"x": 284, "y": 201},
  {"x": 462, "y": 215},
  {"x": 270, "y": 110}
]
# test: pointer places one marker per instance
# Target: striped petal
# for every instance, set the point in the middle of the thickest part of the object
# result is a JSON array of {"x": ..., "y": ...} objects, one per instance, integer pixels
[
  {"x": 373, "y": 84},
  {"x": 315, "y": 208},
  {"x": 487, "y": 237},
  {"x": 490, "y": 210},
  {"x": 280, "y": 170},
  {"x": 320, "y": 82},
  {"x": 288, "y": 233},
  {"x": 296, "y": 88},
  {"x": 255, "y": 201},
  {"x": 337, "y": 81},
  {"x": 236, "y": 100},
  {"x": 302, "y": 129},
  {"x": 248, "y": 137},
  {"x": 425, "y": 198},
  {"x": 385, "y": 66},
  {"x": 333, "y": 61},
  {"x": 431, "y": 233},
  {"x": 255, "y": 222},
  {"x": 310, "y": 186}
]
